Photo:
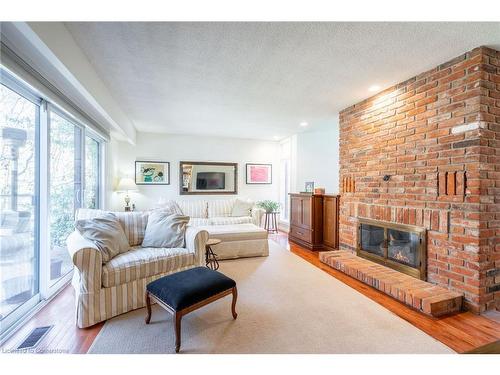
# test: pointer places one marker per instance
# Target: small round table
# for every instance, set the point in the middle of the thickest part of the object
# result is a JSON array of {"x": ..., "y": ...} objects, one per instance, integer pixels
[
  {"x": 210, "y": 257},
  {"x": 271, "y": 223}
]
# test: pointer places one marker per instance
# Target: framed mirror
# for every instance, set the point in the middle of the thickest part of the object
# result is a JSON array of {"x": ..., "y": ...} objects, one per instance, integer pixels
[{"x": 200, "y": 177}]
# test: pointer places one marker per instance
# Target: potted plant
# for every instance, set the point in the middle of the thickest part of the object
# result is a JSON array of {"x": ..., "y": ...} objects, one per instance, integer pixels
[{"x": 269, "y": 206}]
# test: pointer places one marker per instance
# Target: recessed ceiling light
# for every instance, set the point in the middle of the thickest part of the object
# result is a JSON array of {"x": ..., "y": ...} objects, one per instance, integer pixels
[
  {"x": 374, "y": 88},
  {"x": 304, "y": 124}
]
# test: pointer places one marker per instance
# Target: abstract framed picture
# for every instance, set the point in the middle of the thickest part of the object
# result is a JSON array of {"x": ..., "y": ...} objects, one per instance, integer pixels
[
  {"x": 152, "y": 173},
  {"x": 259, "y": 174}
]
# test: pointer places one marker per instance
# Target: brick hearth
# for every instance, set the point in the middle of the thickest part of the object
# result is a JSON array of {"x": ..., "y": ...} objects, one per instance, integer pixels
[
  {"x": 423, "y": 296},
  {"x": 437, "y": 138}
]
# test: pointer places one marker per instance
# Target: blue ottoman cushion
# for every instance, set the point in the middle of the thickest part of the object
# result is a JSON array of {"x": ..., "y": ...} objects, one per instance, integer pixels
[{"x": 186, "y": 288}]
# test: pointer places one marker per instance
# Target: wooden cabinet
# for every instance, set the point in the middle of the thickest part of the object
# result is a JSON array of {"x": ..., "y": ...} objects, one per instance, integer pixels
[
  {"x": 314, "y": 220},
  {"x": 306, "y": 220},
  {"x": 301, "y": 210}
]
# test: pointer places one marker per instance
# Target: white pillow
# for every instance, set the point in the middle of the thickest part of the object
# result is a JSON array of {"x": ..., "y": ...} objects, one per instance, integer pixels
[
  {"x": 165, "y": 230},
  {"x": 169, "y": 206},
  {"x": 242, "y": 208},
  {"x": 107, "y": 234}
]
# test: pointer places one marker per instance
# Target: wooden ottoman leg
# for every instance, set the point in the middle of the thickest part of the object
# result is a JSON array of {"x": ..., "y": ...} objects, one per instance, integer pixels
[
  {"x": 177, "y": 317},
  {"x": 148, "y": 307},
  {"x": 233, "y": 305}
]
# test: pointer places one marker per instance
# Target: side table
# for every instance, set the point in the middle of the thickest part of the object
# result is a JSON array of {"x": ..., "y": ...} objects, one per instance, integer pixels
[
  {"x": 271, "y": 222},
  {"x": 210, "y": 257}
]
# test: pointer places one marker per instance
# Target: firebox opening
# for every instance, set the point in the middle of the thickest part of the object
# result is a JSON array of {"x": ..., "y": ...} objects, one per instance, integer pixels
[{"x": 399, "y": 246}]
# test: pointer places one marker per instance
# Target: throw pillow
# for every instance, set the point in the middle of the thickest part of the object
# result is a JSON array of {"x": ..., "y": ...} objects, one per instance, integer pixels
[
  {"x": 165, "y": 230},
  {"x": 169, "y": 206},
  {"x": 107, "y": 233},
  {"x": 241, "y": 208}
]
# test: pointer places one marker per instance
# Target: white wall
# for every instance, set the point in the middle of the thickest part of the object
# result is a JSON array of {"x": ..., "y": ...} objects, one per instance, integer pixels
[
  {"x": 175, "y": 148},
  {"x": 316, "y": 158}
]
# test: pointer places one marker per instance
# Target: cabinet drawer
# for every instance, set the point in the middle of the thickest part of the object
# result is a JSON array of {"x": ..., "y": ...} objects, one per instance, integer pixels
[{"x": 302, "y": 234}]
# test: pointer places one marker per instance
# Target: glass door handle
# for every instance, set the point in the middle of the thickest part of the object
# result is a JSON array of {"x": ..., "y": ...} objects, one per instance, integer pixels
[{"x": 77, "y": 196}]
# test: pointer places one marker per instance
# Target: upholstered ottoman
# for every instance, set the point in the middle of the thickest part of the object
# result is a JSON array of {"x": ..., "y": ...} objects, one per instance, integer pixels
[{"x": 186, "y": 291}]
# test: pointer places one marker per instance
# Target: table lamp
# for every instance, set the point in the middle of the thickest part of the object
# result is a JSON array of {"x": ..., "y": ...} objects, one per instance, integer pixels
[{"x": 126, "y": 185}]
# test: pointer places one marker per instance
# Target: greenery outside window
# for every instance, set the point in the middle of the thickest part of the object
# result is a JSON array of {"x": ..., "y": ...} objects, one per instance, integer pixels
[{"x": 50, "y": 165}]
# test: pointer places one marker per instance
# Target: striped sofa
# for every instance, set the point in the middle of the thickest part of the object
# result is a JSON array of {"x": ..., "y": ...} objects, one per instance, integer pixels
[
  {"x": 116, "y": 287},
  {"x": 215, "y": 212},
  {"x": 241, "y": 236}
]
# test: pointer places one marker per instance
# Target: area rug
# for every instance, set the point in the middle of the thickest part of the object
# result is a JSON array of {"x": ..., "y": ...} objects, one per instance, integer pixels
[{"x": 285, "y": 305}]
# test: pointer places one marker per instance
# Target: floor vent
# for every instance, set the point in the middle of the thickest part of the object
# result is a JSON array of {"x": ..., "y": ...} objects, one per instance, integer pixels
[{"x": 34, "y": 337}]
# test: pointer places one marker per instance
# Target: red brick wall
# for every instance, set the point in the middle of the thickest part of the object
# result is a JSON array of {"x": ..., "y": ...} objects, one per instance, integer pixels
[
  {"x": 437, "y": 135},
  {"x": 490, "y": 179}
]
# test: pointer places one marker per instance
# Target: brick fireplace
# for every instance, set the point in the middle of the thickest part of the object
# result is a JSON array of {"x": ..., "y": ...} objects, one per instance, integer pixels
[{"x": 426, "y": 153}]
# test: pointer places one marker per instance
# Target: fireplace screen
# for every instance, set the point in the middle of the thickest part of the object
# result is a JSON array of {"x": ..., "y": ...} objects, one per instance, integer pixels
[
  {"x": 398, "y": 246},
  {"x": 373, "y": 239},
  {"x": 403, "y": 247}
]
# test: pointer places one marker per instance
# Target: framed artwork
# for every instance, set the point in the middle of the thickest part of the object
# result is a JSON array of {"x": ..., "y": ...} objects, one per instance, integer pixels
[
  {"x": 152, "y": 173},
  {"x": 309, "y": 186},
  {"x": 259, "y": 173}
]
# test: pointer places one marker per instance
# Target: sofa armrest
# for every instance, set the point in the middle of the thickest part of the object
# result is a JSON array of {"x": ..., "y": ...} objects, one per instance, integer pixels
[
  {"x": 88, "y": 262},
  {"x": 257, "y": 214},
  {"x": 196, "y": 240}
]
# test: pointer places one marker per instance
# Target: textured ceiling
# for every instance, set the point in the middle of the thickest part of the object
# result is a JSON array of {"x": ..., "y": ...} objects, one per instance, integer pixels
[{"x": 260, "y": 80}]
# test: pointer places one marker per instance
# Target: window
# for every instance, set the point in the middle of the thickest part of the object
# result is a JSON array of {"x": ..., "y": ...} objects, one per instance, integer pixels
[
  {"x": 42, "y": 150},
  {"x": 285, "y": 179}
]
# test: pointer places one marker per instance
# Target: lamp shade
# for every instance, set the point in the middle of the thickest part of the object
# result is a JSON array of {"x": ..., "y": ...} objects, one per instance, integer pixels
[{"x": 126, "y": 184}]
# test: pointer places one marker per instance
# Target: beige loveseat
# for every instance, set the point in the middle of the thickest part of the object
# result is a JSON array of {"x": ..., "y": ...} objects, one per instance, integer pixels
[
  {"x": 242, "y": 236},
  {"x": 118, "y": 286}
]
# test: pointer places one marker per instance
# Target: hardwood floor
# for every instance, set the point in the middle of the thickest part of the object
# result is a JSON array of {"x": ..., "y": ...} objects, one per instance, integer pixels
[
  {"x": 464, "y": 332},
  {"x": 65, "y": 336}
]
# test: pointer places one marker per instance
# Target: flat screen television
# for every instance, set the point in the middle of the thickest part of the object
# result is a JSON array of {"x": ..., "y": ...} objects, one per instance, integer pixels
[{"x": 210, "y": 181}]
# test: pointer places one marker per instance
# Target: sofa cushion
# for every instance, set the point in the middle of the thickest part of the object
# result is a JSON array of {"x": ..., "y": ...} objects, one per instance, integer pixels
[
  {"x": 143, "y": 262},
  {"x": 242, "y": 208},
  {"x": 106, "y": 233},
  {"x": 220, "y": 207},
  {"x": 236, "y": 232},
  {"x": 168, "y": 206},
  {"x": 198, "y": 221},
  {"x": 196, "y": 208},
  {"x": 133, "y": 223},
  {"x": 165, "y": 230},
  {"x": 230, "y": 220},
  {"x": 88, "y": 213}
]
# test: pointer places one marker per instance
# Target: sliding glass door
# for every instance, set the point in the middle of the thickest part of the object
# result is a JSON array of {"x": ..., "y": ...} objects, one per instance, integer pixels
[
  {"x": 19, "y": 255},
  {"x": 50, "y": 165},
  {"x": 65, "y": 187},
  {"x": 91, "y": 195}
]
